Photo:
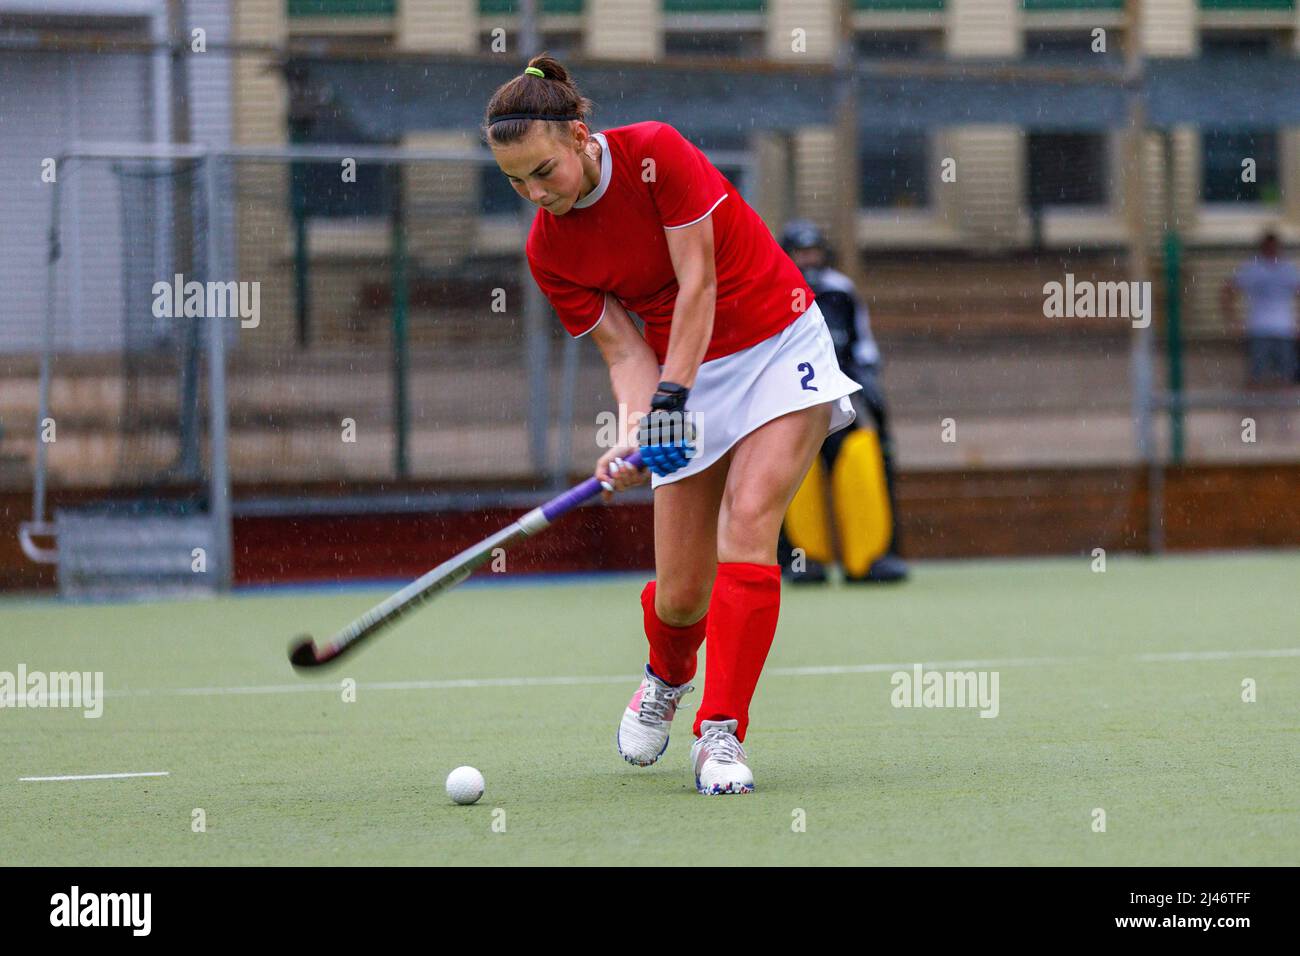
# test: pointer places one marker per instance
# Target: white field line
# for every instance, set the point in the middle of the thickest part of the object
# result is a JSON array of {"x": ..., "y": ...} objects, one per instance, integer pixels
[
  {"x": 577, "y": 681},
  {"x": 99, "y": 776},
  {"x": 1180, "y": 656}
]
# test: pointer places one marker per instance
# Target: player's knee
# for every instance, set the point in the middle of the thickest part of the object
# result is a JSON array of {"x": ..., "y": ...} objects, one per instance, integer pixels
[
  {"x": 750, "y": 521},
  {"x": 681, "y": 605},
  {"x": 752, "y": 510}
]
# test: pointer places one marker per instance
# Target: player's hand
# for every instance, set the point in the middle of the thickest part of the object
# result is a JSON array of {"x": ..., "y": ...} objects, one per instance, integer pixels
[
  {"x": 666, "y": 433},
  {"x": 616, "y": 474}
]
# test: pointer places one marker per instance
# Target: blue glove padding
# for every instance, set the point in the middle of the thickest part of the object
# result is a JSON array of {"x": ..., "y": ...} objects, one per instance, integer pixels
[
  {"x": 666, "y": 434},
  {"x": 665, "y": 459}
]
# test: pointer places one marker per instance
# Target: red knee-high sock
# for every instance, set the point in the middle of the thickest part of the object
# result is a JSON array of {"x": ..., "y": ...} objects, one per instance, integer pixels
[
  {"x": 742, "y": 622},
  {"x": 672, "y": 649}
]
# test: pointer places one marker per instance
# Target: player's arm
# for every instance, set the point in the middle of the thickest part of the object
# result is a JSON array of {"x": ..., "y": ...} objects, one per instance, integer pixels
[
  {"x": 666, "y": 435},
  {"x": 633, "y": 368},
  {"x": 633, "y": 377},
  {"x": 691, "y": 251}
]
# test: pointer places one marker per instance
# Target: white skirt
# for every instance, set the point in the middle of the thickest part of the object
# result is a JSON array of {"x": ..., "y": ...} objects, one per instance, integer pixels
[{"x": 733, "y": 395}]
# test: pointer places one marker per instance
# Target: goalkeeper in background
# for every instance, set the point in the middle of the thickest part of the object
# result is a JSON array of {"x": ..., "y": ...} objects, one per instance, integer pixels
[{"x": 858, "y": 461}]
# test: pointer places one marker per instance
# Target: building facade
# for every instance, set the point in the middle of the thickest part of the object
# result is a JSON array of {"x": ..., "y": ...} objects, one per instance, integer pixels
[{"x": 1010, "y": 173}]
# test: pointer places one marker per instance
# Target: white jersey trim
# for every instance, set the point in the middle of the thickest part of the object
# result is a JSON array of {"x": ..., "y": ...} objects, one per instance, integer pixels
[
  {"x": 606, "y": 174},
  {"x": 705, "y": 216},
  {"x": 597, "y": 322}
]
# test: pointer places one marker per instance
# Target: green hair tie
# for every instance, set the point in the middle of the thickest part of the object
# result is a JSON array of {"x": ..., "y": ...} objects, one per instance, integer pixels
[{"x": 535, "y": 71}]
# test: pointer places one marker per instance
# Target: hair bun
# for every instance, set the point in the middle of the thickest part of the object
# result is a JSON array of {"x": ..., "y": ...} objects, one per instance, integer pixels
[{"x": 523, "y": 102}]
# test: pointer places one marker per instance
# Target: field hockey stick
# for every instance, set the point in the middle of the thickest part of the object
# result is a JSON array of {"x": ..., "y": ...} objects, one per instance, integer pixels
[{"x": 304, "y": 653}]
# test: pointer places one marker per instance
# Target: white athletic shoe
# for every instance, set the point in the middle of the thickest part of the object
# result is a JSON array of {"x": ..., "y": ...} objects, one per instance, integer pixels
[
  {"x": 719, "y": 760},
  {"x": 643, "y": 732}
]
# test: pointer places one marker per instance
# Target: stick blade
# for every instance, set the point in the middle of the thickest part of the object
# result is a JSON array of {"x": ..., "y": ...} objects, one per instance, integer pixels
[{"x": 302, "y": 652}]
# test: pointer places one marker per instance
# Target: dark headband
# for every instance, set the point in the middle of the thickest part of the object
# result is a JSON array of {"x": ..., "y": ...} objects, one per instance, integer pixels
[{"x": 540, "y": 116}]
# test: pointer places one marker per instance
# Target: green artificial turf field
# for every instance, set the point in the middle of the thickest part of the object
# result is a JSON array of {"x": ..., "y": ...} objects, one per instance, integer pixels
[{"x": 1119, "y": 690}]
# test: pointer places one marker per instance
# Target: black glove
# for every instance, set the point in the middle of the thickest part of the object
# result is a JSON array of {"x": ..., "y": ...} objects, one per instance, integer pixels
[{"x": 666, "y": 433}]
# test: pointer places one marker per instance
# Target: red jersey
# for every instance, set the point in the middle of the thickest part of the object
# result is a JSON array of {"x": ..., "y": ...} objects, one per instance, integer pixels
[{"x": 613, "y": 241}]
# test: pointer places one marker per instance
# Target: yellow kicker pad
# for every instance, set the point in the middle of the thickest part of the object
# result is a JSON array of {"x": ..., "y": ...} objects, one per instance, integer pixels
[
  {"x": 862, "y": 513},
  {"x": 807, "y": 523},
  {"x": 861, "y": 501}
]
